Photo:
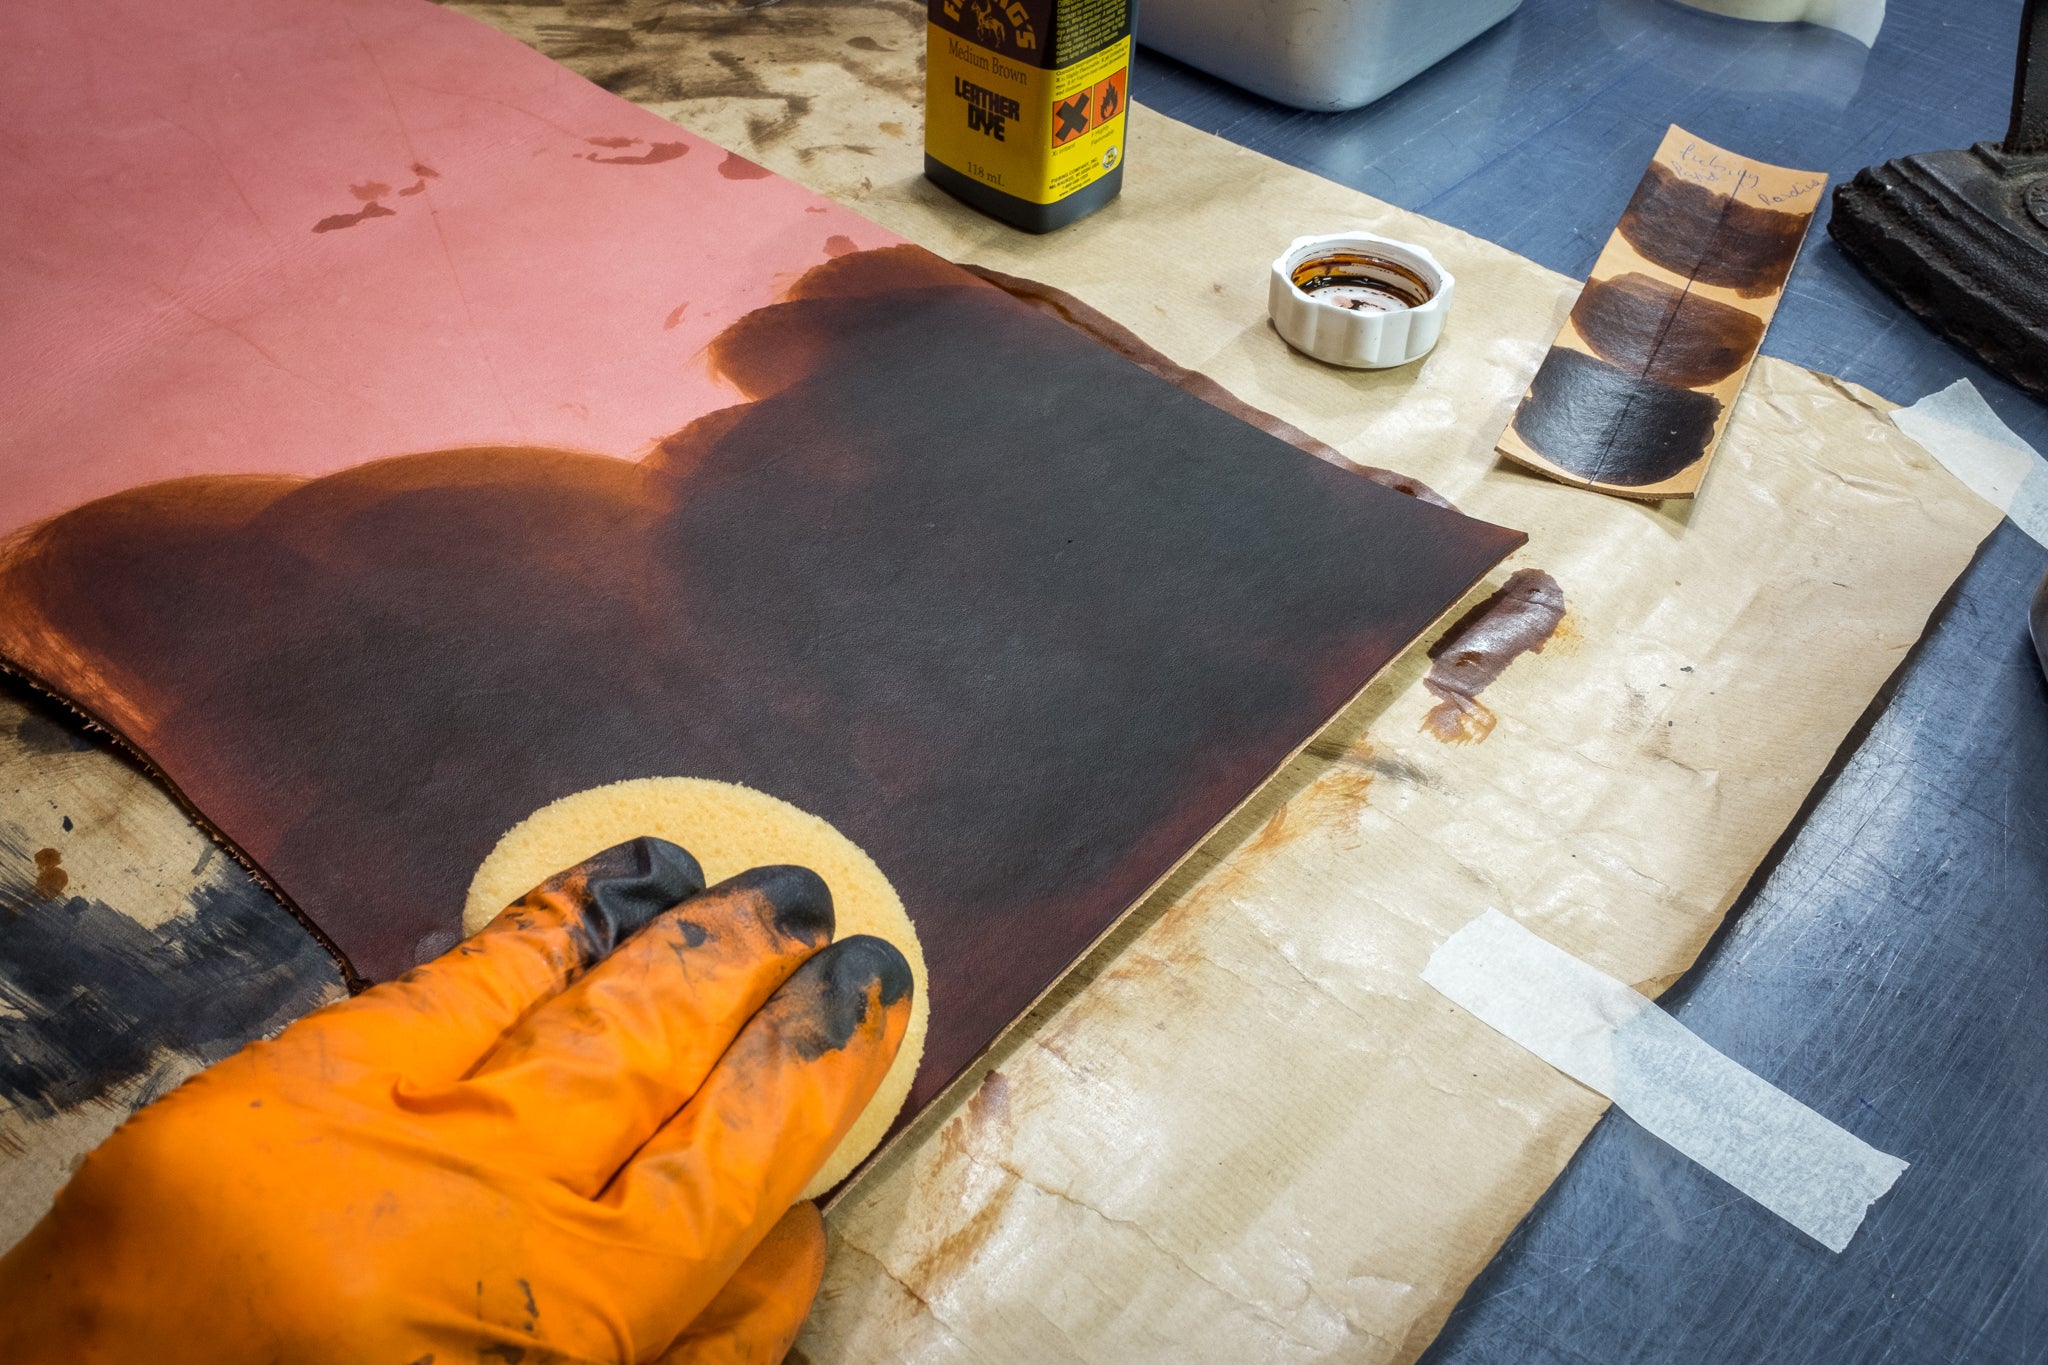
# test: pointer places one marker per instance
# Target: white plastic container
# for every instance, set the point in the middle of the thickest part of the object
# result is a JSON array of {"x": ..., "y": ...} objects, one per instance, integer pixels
[
  {"x": 1360, "y": 300},
  {"x": 1316, "y": 54}
]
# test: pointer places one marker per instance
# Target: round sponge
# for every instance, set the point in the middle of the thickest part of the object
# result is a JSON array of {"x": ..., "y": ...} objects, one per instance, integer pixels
[{"x": 728, "y": 829}]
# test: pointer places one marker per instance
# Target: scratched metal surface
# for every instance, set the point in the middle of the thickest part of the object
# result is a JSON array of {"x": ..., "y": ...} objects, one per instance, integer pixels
[{"x": 1888, "y": 971}]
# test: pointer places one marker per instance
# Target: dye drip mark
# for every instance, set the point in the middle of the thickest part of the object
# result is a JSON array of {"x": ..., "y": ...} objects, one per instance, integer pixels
[
  {"x": 371, "y": 195},
  {"x": 1608, "y": 425},
  {"x": 335, "y": 221},
  {"x": 51, "y": 878},
  {"x": 1519, "y": 619},
  {"x": 652, "y": 156},
  {"x": 1710, "y": 235},
  {"x": 1668, "y": 335}
]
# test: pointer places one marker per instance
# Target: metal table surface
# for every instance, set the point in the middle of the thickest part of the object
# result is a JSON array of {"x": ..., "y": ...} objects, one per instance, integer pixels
[{"x": 1885, "y": 966}]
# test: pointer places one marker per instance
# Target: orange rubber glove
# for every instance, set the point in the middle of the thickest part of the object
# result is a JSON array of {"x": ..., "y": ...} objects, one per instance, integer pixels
[{"x": 577, "y": 1136}]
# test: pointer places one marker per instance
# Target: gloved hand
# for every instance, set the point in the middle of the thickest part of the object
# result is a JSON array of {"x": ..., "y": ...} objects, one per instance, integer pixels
[{"x": 576, "y": 1136}]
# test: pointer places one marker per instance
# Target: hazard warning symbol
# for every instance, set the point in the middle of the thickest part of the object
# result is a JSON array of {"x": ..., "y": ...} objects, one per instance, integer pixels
[
  {"x": 1109, "y": 97},
  {"x": 1070, "y": 116}
]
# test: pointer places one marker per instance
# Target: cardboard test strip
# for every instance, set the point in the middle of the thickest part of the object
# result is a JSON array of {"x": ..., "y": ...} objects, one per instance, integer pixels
[{"x": 1636, "y": 390}]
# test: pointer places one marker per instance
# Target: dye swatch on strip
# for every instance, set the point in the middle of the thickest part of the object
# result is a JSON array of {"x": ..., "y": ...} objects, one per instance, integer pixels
[{"x": 1636, "y": 391}]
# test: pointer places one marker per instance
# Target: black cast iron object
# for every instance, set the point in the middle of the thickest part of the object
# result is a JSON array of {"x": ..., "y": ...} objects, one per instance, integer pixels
[
  {"x": 1961, "y": 237},
  {"x": 2037, "y": 623}
]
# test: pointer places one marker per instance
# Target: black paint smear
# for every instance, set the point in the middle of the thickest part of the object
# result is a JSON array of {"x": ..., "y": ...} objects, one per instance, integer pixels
[
  {"x": 1672, "y": 335},
  {"x": 93, "y": 999},
  {"x": 42, "y": 734},
  {"x": 1708, "y": 236},
  {"x": 1607, "y": 425}
]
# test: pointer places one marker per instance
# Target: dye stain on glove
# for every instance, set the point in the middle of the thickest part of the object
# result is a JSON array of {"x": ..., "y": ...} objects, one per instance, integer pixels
[
  {"x": 841, "y": 989},
  {"x": 811, "y": 877},
  {"x": 517, "y": 1152},
  {"x": 624, "y": 887}
]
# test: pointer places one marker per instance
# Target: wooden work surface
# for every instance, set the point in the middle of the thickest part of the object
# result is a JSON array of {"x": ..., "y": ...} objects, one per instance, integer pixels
[{"x": 1160, "y": 1145}]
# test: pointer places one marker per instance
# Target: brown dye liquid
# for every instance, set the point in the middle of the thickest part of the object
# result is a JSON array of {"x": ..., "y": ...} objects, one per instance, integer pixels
[{"x": 1395, "y": 285}]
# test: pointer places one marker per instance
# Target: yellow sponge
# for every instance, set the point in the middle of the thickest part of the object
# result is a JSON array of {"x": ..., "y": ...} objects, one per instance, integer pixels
[{"x": 728, "y": 829}]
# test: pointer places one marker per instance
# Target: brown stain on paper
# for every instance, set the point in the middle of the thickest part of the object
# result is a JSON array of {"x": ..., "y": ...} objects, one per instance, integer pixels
[
  {"x": 974, "y": 1138},
  {"x": 51, "y": 878},
  {"x": 1519, "y": 619}
]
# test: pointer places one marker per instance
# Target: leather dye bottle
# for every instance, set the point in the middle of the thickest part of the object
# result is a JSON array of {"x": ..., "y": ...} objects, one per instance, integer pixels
[{"x": 1024, "y": 105}]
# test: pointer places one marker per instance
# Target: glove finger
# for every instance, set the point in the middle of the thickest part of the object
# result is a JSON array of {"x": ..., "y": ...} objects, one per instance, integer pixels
[
  {"x": 755, "y": 1318},
  {"x": 436, "y": 1022},
  {"x": 581, "y": 1082},
  {"x": 705, "y": 1189}
]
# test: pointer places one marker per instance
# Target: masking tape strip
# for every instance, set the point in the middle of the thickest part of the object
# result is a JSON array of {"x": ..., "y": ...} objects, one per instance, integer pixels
[
  {"x": 1957, "y": 427},
  {"x": 1815, "y": 1175}
]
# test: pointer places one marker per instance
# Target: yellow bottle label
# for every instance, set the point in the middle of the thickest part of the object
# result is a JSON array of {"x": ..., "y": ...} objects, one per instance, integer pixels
[{"x": 1033, "y": 132}]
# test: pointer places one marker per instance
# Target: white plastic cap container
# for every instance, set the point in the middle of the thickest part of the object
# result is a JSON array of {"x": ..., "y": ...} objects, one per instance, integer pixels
[{"x": 1356, "y": 299}]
